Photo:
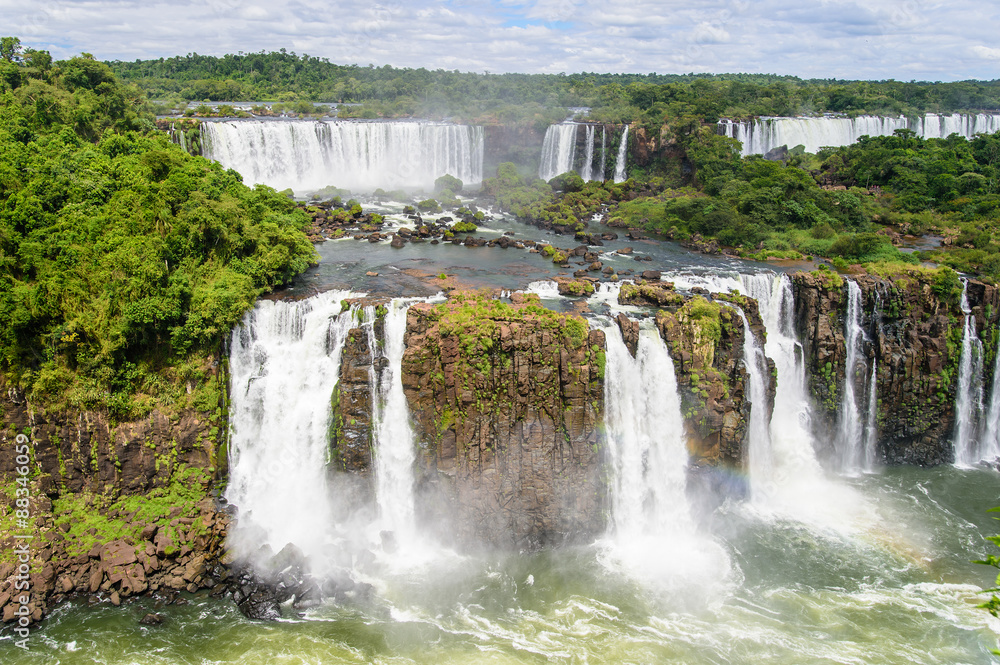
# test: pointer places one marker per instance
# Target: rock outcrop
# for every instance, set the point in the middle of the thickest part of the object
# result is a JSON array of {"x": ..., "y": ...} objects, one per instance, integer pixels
[
  {"x": 115, "y": 509},
  {"x": 706, "y": 343},
  {"x": 914, "y": 328},
  {"x": 506, "y": 402}
]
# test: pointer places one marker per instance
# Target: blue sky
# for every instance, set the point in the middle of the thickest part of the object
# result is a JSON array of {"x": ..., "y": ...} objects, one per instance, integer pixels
[{"x": 900, "y": 39}]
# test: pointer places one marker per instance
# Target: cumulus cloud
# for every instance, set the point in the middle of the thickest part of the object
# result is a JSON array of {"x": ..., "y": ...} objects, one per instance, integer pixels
[
  {"x": 809, "y": 38},
  {"x": 986, "y": 52}
]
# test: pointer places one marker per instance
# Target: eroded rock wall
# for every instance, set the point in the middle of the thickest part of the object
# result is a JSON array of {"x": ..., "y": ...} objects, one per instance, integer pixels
[
  {"x": 913, "y": 326},
  {"x": 117, "y": 508},
  {"x": 506, "y": 403}
]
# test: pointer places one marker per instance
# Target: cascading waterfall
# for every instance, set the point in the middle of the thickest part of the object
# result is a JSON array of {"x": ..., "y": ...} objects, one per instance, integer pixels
[
  {"x": 850, "y": 443},
  {"x": 645, "y": 437},
  {"x": 762, "y": 135},
  {"x": 308, "y": 155},
  {"x": 969, "y": 398},
  {"x": 588, "y": 156},
  {"x": 620, "y": 175},
  {"x": 991, "y": 434},
  {"x": 558, "y": 150},
  {"x": 393, "y": 435},
  {"x": 794, "y": 485},
  {"x": 604, "y": 154},
  {"x": 871, "y": 422},
  {"x": 760, "y": 457},
  {"x": 284, "y": 365}
]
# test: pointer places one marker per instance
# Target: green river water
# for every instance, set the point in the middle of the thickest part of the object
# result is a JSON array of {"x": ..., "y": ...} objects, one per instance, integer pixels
[{"x": 894, "y": 584}]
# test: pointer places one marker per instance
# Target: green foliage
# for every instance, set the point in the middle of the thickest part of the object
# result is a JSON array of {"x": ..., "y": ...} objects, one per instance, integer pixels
[
  {"x": 448, "y": 182},
  {"x": 993, "y": 604},
  {"x": 94, "y": 519},
  {"x": 706, "y": 315},
  {"x": 947, "y": 285},
  {"x": 119, "y": 252},
  {"x": 429, "y": 205},
  {"x": 464, "y": 227}
]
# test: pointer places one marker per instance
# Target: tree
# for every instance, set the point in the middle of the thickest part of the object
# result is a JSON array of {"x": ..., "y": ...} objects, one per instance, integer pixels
[
  {"x": 10, "y": 49},
  {"x": 993, "y": 604}
]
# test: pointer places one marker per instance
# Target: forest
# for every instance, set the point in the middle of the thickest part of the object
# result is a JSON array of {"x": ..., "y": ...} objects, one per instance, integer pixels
[
  {"x": 392, "y": 92},
  {"x": 124, "y": 261}
]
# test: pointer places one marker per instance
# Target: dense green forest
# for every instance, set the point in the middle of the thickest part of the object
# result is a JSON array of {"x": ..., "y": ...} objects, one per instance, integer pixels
[
  {"x": 390, "y": 92},
  {"x": 124, "y": 261}
]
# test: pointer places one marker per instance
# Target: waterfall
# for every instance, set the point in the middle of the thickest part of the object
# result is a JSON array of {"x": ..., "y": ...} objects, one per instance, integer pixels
[
  {"x": 604, "y": 154},
  {"x": 393, "y": 441},
  {"x": 969, "y": 400},
  {"x": 620, "y": 175},
  {"x": 850, "y": 444},
  {"x": 871, "y": 424},
  {"x": 645, "y": 437},
  {"x": 284, "y": 365},
  {"x": 760, "y": 457},
  {"x": 588, "y": 158},
  {"x": 308, "y": 155},
  {"x": 762, "y": 135},
  {"x": 794, "y": 472},
  {"x": 653, "y": 535},
  {"x": 991, "y": 434},
  {"x": 558, "y": 150}
]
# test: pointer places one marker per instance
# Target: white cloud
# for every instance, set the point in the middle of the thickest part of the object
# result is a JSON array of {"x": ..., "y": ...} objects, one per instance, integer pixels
[
  {"x": 809, "y": 38},
  {"x": 986, "y": 53}
]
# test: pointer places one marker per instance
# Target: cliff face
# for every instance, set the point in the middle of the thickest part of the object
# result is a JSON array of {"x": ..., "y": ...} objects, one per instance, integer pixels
[
  {"x": 120, "y": 508},
  {"x": 520, "y": 144},
  {"x": 913, "y": 332},
  {"x": 706, "y": 339},
  {"x": 352, "y": 405},
  {"x": 506, "y": 401}
]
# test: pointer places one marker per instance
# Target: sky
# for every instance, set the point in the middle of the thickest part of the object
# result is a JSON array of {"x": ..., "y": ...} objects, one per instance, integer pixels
[{"x": 878, "y": 39}]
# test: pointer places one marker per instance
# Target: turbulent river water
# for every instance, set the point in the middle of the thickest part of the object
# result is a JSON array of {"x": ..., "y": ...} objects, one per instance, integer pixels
[
  {"x": 813, "y": 567},
  {"x": 892, "y": 585}
]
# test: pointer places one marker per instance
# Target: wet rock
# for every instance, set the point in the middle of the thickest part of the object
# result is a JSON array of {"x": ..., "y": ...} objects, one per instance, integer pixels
[{"x": 152, "y": 619}]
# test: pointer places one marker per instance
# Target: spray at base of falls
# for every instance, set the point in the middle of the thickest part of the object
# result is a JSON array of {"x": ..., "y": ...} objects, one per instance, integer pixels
[
  {"x": 284, "y": 366},
  {"x": 653, "y": 535},
  {"x": 393, "y": 445}
]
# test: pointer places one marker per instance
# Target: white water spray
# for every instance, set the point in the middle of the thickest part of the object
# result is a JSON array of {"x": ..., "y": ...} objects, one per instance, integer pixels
[
  {"x": 759, "y": 454},
  {"x": 588, "y": 157},
  {"x": 991, "y": 434},
  {"x": 284, "y": 365},
  {"x": 604, "y": 154},
  {"x": 871, "y": 424},
  {"x": 558, "y": 150},
  {"x": 645, "y": 437},
  {"x": 394, "y": 448}
]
